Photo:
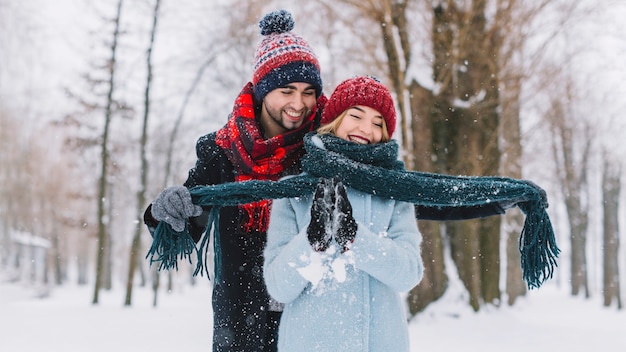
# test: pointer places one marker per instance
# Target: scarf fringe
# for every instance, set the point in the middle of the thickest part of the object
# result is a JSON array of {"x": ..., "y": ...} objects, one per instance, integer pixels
[
  {"x": 169, "y": 245},
  {"x": 537, "y": 246},
  {"x": 203, "y": 250}
]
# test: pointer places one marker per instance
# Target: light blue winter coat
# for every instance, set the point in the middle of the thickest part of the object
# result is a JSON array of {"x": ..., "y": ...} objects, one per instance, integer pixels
[{"x": 359, "y": 310}]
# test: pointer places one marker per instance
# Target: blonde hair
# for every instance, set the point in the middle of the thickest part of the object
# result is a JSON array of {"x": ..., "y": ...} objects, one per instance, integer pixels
[{"x": 331, "y": 127}]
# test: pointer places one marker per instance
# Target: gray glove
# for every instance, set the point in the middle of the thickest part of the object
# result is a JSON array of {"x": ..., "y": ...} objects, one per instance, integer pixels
[{"x": 174, "y": 206}]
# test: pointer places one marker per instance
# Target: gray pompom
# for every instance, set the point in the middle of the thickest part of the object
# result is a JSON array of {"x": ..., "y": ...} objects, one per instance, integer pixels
[{"x": 276, "y": 22}]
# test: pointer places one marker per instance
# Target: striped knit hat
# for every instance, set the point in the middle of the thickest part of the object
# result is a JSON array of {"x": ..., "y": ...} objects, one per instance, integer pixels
[
  {"x": 283, "y": 57},
  {"x": 361, "y": 90}
]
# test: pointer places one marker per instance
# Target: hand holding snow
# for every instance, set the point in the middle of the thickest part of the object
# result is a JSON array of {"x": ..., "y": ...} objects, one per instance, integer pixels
[{"x": 324, "y": 269}]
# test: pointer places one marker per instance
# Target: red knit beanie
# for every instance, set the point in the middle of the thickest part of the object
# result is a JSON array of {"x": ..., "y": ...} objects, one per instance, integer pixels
[
  {"x": 283, "y": 57},
  {"x": 361, "y": 90}
]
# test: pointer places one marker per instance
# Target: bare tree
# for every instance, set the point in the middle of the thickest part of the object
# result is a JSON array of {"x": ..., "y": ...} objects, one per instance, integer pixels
[
  {"x": 104, "y": 158},
  {"x": 143, "y": 171},
  {"x": 513, "y": 221},
  {"x": 11, "y": 170},
  {"x": 464, "y": 119},
  {"x": 571, "y": 148},
  {"x": 435, "y": 281},
  {"x": 514, "y": 19},
  {"x": 15, "y": 27},
  {"x": 611, "y": 185}
]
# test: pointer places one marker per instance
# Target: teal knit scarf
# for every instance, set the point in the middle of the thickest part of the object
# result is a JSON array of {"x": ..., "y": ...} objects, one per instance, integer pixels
[{"x": 374, "y": 169}]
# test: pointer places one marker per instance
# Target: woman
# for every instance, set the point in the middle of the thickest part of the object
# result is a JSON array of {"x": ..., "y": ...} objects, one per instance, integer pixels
[{"x": 338, "y": 259}]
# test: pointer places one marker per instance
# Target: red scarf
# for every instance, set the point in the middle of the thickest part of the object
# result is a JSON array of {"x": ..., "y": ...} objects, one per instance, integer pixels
[{"x": 257, "y": 158}]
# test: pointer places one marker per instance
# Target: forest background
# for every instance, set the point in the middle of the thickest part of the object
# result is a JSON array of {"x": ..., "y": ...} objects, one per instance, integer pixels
[{"x": 101, "y": 104}]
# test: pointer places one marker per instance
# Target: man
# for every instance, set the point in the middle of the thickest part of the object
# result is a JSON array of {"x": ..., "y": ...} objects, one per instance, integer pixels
[{"x": 262, "y": 140}]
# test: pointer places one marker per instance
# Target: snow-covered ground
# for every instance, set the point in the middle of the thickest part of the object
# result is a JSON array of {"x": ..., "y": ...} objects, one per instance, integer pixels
[{"x": 548, "y": 319}]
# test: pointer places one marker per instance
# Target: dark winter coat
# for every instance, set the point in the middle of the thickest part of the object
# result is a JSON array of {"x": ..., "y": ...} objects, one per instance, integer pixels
[{"x": 240, "y": 300}]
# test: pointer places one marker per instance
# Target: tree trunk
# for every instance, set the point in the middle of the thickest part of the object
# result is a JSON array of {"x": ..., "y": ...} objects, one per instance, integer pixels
[
  {"x": 82, "y": 262},
  {"x": 465, "y": 134},
  {"x": 143, "y": 172},
  {"x": 513, "y": 220},
  {"x": 572, "y": 174},
  {"x": 610, "y": 195},
  {"x": 107, "y": 269},
  {"x": 104, "y": 159},
  {"x": 392, "y": 21},
  {"x": 435, "y": 280}
]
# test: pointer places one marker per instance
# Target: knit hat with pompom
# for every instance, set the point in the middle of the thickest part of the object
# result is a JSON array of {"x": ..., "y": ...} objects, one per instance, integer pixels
[
  {"x": 361, "y": 90},
  {"x": 283, "y": 57}
]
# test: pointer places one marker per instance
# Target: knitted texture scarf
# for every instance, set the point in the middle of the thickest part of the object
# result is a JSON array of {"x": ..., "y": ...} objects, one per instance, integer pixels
[
  {"x": 374, "y": 169},
  {"x": 257, "y": 158}
]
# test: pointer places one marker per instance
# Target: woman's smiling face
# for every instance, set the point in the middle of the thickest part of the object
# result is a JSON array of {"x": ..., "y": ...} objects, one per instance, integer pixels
[{"x": 362, "y": 125}]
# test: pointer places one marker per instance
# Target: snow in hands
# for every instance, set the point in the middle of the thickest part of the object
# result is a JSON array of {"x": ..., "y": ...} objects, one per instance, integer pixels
[
  {"x": 331, "y": 232},
  {"x": 325, "y": 270}
]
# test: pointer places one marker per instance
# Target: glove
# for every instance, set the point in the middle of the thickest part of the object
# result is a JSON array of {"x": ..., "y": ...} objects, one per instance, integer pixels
[
  {"x": 319, "y": 231},
  {"x": 542, "y": 192},
  {"x": 345, "y": 224},
  {"x": 174, "y": 206},
  {"x": 511, "y": 203}
]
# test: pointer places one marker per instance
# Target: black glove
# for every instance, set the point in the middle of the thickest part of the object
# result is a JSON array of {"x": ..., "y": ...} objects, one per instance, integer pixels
[
  {"x": 174, "y": 206},
  {"x": 320, "y": 231},
  {"x": 507, "y": 204},
  {"x": 346, "y": 225},
  {"x": 542, "y": 192}
]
